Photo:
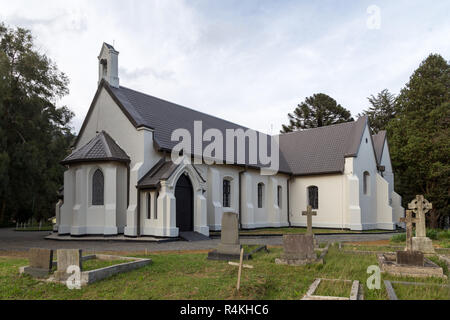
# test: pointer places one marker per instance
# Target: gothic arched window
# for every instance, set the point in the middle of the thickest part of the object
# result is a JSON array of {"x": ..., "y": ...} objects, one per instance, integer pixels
[
  {"x": 260, "y": 194},
  {"x": 313, "y": 197},
  {"x": 226, "y": 193},
  {"x": 366, "y": 183},
  {"x": 98, "y": 188}
]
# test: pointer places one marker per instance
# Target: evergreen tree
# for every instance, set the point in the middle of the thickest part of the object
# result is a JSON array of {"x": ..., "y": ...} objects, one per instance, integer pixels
[
  {"x": 34, "y": 133},
  {"x": 419, "y": 137},
  {"x": 381, "y": 111},
  {"x": 316, "y": 111}
]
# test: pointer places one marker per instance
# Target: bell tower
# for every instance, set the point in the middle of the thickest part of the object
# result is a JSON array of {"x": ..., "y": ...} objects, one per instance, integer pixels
[{"x": 108, "y": 65}]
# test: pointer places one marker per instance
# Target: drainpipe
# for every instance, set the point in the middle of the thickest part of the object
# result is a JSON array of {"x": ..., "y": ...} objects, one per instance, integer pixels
[
  {"x": 138, "y": 218},
  {"x": 288, "y": 201},
  {"x": 240, "y": 197}
]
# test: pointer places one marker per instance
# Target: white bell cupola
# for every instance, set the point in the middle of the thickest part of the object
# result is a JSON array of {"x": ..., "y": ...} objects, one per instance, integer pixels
[{"x": 108, "y": 65}]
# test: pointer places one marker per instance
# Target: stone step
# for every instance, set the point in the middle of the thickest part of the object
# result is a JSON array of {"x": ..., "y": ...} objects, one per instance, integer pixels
[{"x": 192, "y": 236}]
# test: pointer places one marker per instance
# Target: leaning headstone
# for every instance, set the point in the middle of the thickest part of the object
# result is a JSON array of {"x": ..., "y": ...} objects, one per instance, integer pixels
[
  {"x": 65, "y": 259},
  {"x": 420, "y": 206},
  {"x": 298, "y": 250},
  {"x": 40, "y": 262},
  {"x": 229, "y": 247}
]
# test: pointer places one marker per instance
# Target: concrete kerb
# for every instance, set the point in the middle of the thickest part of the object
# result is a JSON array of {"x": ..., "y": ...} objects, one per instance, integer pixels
[
  {"x": 355, "y": 292},
  {"x": 88, "y": 277}
]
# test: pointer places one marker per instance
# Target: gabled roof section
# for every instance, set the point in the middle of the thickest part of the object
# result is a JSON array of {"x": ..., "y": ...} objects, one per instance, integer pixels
[
  {"x": 162, "y": 170},
  {"x": 101, "y": 148},
  {"x": 322, "y": 150},
  {"x": 379, "y": 140}
]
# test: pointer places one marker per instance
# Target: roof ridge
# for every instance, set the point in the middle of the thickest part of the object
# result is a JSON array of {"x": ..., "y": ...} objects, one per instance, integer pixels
[{"x": 331, "y": 125}]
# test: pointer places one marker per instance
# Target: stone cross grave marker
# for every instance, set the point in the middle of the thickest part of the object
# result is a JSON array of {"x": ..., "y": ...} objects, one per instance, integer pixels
[
  {"x": 309, "y": 214},
  {"x": 420, "y": 206},
  {"x": 409, "y": 221}
]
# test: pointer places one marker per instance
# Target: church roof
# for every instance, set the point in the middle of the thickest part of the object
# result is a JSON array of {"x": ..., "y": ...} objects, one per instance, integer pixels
[
  {"x": 162, "y": 170},
  {"x": 322, "y": 150},
  {"x": 101, "y": 148},
  {"x": 313, "y": 151},
  {"x": 378, "y": 144}
]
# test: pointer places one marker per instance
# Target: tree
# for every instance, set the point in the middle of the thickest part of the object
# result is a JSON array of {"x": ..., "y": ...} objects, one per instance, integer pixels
[
  {"x": 34, "y": 133},
  {"x": 381, "y": 111},
  {"x": 419, "y": 137},
  {"x": 316, "y": 111}
]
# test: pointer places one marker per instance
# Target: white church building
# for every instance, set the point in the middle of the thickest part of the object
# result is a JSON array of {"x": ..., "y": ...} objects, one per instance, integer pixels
[{"x": 121, "y": 179}]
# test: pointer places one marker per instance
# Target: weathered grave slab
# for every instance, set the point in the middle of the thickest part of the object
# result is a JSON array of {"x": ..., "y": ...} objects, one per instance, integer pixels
[
  {"x": 410, "y": 258},
  {"x": 40, "y": 260},
  {"x": 388, "y": 263},
  {"x": 298, "y": 250}
]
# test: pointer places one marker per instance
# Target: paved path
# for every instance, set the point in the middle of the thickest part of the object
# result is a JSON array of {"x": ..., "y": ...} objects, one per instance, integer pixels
[{"x": 11, "y": 240}]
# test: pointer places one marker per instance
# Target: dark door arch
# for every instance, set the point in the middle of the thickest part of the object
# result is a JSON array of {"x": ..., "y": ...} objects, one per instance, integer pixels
[{"x": 184, "y": 196}]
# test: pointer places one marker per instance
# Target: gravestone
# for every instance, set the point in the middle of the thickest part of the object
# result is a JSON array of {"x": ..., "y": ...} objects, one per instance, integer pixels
[
  {"x": 409, "y": 221},
  {"x": 40, "y": 261},
  {"x": 229, "y": 236},
  {"x": 298, "y": 250},
  {"x": 309, "y": 214},
  {"x": 420, "y": 206},
  {"x": 65, "y": 259},
  {"x": 410, "y": 258},
  {"x": 229, "y": 247}
]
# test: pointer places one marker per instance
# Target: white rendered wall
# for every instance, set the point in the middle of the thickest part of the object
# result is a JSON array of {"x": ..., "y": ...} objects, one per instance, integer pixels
[
  {"x": 388, "y": 174},
  {"x": 366, "y": 161},
  {"x": 270, "y": 215},
  {"x": 385, "y": 219},
  {"x": 138, "y": 144},
  {"x": 331, "y": 212}
]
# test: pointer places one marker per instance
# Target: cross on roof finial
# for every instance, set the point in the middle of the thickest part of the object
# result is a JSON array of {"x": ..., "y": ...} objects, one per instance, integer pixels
[{"x": 309, "y": 214}]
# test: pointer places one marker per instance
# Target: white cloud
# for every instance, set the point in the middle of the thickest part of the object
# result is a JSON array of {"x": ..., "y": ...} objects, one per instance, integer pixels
[{"x": 249, "y": 63}]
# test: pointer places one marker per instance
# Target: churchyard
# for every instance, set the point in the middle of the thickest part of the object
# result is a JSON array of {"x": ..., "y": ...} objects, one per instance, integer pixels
[{"x": 302, "y": 269}]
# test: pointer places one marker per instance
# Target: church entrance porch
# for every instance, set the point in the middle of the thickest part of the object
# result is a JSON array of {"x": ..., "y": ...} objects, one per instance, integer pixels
[{"x": 184, "y": 204}]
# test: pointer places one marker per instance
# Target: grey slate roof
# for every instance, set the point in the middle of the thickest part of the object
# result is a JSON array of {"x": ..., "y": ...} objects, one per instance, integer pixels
[
  {"x": 322, "y": 150},
  {"x": 162, "y": 170},
  {"x": 165, "y": 117},
  {"x": 101, "y": 148},
  {"x": 378, "y": 144},
  {"x": 314, "y": 151}
]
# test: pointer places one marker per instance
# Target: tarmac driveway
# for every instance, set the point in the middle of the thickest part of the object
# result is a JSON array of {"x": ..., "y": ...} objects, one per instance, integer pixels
[{"x": 11, "y": 240}]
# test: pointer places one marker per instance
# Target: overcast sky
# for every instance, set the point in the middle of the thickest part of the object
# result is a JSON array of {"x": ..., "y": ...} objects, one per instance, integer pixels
[{"x": 249, "y": 62}]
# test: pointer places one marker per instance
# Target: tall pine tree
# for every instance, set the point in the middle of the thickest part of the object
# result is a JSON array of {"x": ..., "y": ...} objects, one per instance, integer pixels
[
  {"x": 316, "y": 111},
  {"x": 381, "y": 111}
]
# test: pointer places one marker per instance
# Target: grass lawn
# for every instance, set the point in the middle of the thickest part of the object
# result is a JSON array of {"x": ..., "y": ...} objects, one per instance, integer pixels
[
  {"x": 295, "y": 230},
  {"x": 334, "y": 288},
  {"x": 191, "y": 276}
]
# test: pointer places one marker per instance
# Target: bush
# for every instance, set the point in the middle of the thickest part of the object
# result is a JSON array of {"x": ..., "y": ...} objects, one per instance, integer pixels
[
  {"x": 399, "y": 237},
  {"x": 432, "y": 234},
  {"x": 444, "y": 234}
]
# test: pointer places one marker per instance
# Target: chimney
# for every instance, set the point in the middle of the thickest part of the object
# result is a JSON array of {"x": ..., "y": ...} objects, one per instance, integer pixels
[{"x": 108, "y": 65}]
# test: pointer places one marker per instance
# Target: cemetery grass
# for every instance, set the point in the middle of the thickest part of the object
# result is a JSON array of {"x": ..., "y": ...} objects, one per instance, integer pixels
[{"x": 191, "y": 276}]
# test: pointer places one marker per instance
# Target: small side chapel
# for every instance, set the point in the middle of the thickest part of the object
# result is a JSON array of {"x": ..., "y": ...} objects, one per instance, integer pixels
[{"x": 120, "y": 178}]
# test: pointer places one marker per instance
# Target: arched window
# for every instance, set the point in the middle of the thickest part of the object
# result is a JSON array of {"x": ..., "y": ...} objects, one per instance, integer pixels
[
  {"x": 366, "y": 183},
  {"x": 98, "y": 188},
  {"x": 226, "y": 193},
  {"x": 313, "y": 197},
  {"x": 149, "y": 206},
  {"x": 260, "y": 194},
  {"x": 279, "y": 196},
  {"x": 156, "y": 205}
]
